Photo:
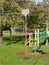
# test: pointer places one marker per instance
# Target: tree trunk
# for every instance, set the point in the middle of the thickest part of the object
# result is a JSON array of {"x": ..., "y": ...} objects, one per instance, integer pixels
[
  {"x": 10, "y": 35},
  {"x": 0, "y": 35},
  {"x": 0, "y": 31}
]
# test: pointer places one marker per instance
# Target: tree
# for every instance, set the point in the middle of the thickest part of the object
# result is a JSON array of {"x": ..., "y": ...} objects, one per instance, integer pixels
[
  {"x": 37, "y": 17},
  {"x": 10, "y": 19},
  {"x": 46, "y": 1}
]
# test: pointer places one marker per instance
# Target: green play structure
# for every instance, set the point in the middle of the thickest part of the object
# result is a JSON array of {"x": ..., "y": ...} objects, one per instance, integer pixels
[{"x": 34, "y": 38}]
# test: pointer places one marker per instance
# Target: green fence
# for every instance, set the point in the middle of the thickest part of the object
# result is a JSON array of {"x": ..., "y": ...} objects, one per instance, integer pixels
[{"x": 44, "y": 34}]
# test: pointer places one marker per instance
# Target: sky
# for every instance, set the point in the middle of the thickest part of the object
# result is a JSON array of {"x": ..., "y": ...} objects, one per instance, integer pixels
[{"x": 38, "y": 1}]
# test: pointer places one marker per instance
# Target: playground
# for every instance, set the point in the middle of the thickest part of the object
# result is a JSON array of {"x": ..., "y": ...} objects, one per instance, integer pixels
[
  {"x": 24, "y": 33},
  {"x": 12, "y": 54},
  {"x": 26, "y": 46}
]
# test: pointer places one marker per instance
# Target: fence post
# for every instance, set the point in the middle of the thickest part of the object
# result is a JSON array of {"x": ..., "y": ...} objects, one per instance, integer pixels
[
  {"x": 46, "y": 34},
  {"x": 38, "y": 37},
  {"x": 35, "y": 37}
]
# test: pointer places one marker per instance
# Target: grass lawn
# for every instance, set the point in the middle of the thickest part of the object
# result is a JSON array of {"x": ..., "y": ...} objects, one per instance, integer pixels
[{"x": 13, "y": 54}]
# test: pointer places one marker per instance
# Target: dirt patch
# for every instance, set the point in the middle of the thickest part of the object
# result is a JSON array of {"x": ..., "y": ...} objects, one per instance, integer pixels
[
  {"x": 31, "y": 55},
  {"x": 45, "y": 56}
]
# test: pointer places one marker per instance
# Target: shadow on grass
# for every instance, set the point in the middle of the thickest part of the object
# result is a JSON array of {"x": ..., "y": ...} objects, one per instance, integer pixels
[
  {"x": 6, "y": 38},
  {"x": 8, "y": 44},
  {"x": 40, "y": 51},
  {"x": 44, "y": 42},
  {"x": 15, "y": 40}
]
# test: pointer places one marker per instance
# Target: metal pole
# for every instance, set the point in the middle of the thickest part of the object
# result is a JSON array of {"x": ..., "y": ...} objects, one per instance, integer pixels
[
  {"x": 26, "y": 33},
  {"x": 25, "y": 12}
]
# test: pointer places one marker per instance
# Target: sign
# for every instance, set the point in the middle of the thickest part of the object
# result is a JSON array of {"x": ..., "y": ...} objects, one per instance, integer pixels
[{"x": 25, "y": 12}]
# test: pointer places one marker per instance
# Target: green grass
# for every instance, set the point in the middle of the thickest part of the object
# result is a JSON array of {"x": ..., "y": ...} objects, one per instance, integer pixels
[
  {"x": 12, "y": 54},
  {"x": 9, "y": 55}
]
